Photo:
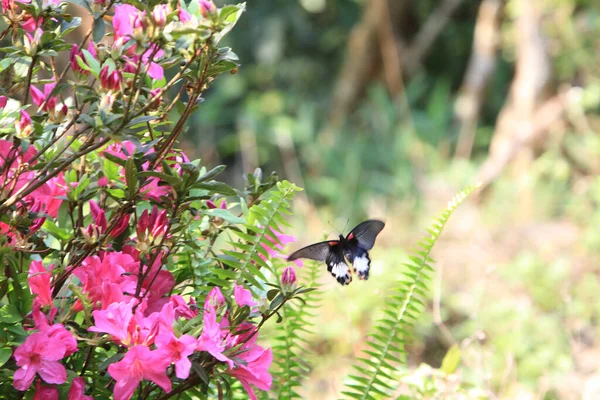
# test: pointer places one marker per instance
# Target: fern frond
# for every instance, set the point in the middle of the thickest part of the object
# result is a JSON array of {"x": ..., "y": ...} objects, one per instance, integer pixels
[
  {"x": 289, "y": 348},
  {"x": 373, "y": 375},
  {"x": 262, "y": 218}
]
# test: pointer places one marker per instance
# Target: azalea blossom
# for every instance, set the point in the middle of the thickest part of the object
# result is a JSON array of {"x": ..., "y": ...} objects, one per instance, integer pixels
[
  {"x": 40, "y": 354},
  {"x": 39, "y": 282},
  {"x": 243, "y": 297},
  {"x": 279, "y": 241},
  {"x": 44, "y": 392},
  {"x": 140, "y": 363},
  {"x": 77, "y": 391},
  {"x": 177, "y": 349}
]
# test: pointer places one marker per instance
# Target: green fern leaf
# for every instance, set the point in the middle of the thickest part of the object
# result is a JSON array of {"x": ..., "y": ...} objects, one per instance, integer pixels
[{"x": 289, "y": 349}]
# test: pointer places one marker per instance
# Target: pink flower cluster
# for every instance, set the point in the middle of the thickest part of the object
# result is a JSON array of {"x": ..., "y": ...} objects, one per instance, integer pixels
[{"x": 15, "y": 174}]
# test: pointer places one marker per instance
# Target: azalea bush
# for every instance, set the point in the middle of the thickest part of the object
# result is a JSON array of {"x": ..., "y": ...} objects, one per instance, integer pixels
[{"x": 127, "y": 269}]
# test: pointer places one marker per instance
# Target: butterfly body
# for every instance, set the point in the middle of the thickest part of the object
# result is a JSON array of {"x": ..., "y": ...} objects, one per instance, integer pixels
[{"x": 353, "y": 248}]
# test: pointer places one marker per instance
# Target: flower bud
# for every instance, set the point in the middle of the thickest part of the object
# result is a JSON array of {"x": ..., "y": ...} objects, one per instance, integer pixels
[
  {"x": 73, "y": 60},
  {"x": 24, "y": 127},
  {"x": 107, "y": 101},
  {"x": 288, "y": 279},
  {"x": 206, "y": 7},
  {"x": 112, "y": 80},
  {"x": 159, "y": 14}
]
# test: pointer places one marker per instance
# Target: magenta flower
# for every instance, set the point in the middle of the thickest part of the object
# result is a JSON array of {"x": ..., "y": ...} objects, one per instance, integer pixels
[
  {"x": 77, "y": 391},
  {"x": 39, "y": 97},
  {"x": 254, "y": 370},
  {"x": 114, "y": 320},
  {"x": 108, "y": 279},
  {"x": 39, "y": 282},
  {"x": 243, "y": 297},
  {"x": 177, "y": 350},
  {"x": 3, "y": 101},
  {"x": 45, "y": 392},
  {"x": 40, "y": 353},
  {"x": 99, "y": 217},
  {"x": 213, "y": 338},
  {"x": 123, "y": 20},
  {"x": 138, "y": 364},
  {"x": 214, "y": 299},
  {"x": 279, "y": 241}
]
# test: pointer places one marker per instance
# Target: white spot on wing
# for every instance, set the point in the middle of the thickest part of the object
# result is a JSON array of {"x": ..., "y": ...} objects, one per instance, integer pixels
[
  {"x": 341, "y": 272},
  {"x": 362, "y": 265}
]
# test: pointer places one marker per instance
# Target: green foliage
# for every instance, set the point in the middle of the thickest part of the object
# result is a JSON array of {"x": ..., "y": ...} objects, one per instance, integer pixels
[
  {"x": 289, "y": 346},
  {"x": 375, "y": 371},
  {"x": 262, "y": 219}
]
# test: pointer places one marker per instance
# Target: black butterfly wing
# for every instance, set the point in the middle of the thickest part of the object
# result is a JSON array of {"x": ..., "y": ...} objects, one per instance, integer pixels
[
  {"x": 365, "y": 233},
  {"x": 332, "y": 254},
  {"x": 317, "y": 251},
  {"x": 337, "y": 266}
]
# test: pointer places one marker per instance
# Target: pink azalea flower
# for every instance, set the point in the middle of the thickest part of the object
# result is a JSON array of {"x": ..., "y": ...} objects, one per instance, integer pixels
[
  {"x": 3, "y": 101},
  {"x": 114, "y": 320},
  {"x": 139, "y": 363},
  {"x": 273, "y": 250},
  {"x": 213, "y": 338},
  {"x": 99, "y": 217},
  {"x": 243, "y": 297},
  {"x": 177, "y": 350},
  {"x": 45, "y": 392},
  {"x": 124, "y": 18},
  {"x": 39, "y": 97},
  {"x": 181, "y": 308},
  {"x": 40, "y": 353},
  {"x": 107, "y": 278},
  {"x": 214, "y": 299},
  {"x": 49, "y": 195},
  {"x": 254, "y": 368},
  {"x": 77, "y": 391},
  {"x": 39, "y": 282}
]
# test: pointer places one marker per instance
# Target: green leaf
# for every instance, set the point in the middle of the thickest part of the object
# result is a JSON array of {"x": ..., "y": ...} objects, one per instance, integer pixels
[
  {"x": 451, "y": 360},
  {"x": 131, "y": 178},
  {"x": 215, "y": 187},
  {"x": 10, "y": 314},
  {"x": 225, "y": 215},
  {"x": 91, "y": 62},
  {"x": 5, "y": 353},
  {"x": 212, "y": 173},
  {"x": 98, "y": 30}
]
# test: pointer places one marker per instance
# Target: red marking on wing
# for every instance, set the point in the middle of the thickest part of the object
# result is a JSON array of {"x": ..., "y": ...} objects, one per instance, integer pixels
[
  {"x": 351, "y": 236},
  {"x": 333, "y": 243}
]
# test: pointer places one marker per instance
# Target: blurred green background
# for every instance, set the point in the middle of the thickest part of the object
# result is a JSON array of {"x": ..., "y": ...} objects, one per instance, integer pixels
[{"x": 386, "y": 108}]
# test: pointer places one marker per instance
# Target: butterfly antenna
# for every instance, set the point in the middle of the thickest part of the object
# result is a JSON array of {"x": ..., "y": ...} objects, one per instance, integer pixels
[
  {"x": 345, "y": 226},
  {"x": 334, "y": 228}
]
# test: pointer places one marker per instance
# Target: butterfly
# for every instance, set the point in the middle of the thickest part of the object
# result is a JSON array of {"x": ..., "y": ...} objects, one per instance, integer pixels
[{"x": 353, "y": 248}]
